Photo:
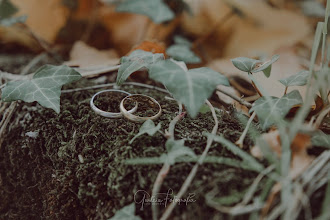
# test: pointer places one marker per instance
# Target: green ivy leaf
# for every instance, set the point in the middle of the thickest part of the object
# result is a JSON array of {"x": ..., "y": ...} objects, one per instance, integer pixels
[
  {"x": 313, "y": 8},
  {"x": 128, "y": 212},
  {"x": 148, "y": 127},
  {"x": 244, "y": 64},
  {"x": 175, "y": 150},
  {"x": 156, "y": 10},
  {"x": 7, "y": 9},
  {"x": 299, "y": 79},
  {"x": 190, "y": 87},
  {"x": 137, "y": 60},
  {"x": 266, "y": 67},
  {"x": 321, "y": 139},
  {"x": 10, "y": 21},
  {"x": 181, "y": 40},
  {"x": 45, "y": 87},
  {"x": 182, "y": 52},
  {"x": 280, "y": 106}
]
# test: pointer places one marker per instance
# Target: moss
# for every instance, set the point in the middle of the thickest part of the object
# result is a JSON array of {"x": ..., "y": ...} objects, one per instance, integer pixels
[{"x": 99, "y": 183}]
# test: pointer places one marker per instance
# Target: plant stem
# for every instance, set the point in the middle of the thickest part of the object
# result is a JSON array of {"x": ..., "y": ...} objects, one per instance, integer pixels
[
  {"x": 256, "y": 88},
  {"x": 193, "y": 172},
  {"x": 171, "y": 127},
  {"x": 286, "y": 90},
  {"x": 242, "y": 137}
]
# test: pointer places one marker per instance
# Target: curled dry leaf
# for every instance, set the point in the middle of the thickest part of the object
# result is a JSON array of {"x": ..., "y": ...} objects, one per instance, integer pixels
[
  {"x": 82, "y": 55},
  {"x": 299, "y": 159},
  {"x": 45, "y": 18},
  {"x": 249, "y": 35},
  {"x": 126, "y": 30},
  {"x": 265, "y": 31}
]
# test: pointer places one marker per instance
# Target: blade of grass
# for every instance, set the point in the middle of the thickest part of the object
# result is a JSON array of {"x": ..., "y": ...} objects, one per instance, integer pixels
[{"x": 237, "y": 151}]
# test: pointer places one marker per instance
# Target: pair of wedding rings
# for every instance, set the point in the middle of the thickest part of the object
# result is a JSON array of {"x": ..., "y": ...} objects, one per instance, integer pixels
[{"x": 135, "y": 99}]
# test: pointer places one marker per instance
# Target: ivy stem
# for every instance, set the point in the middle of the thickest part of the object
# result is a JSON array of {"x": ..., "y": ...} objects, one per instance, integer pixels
[
  {"x": 193, "y": 172},
  {"x": 286, "y": 90},
  {"x": 242, "y": 137},
  {"x": 254, "y": 85}
]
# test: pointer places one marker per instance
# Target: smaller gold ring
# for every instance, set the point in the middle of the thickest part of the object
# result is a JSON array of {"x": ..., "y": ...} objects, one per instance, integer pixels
[{"x": 138, "y": 97}]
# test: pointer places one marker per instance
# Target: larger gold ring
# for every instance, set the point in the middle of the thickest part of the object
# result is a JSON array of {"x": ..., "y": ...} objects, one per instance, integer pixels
[{"x": 140, "y": 98}]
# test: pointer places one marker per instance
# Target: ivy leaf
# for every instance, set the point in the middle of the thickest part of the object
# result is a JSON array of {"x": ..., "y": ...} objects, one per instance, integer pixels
[
  {"x": 128, "y": 212},
  {"x": 175, "y": 150},
  {"x": 10, "y": 21},
  {"x": 265, "y": 67},
  {"x": 321, "y": 139},
  {"x": 183, "y": 53},
  {"x": 181, "y": 50},
  {"x": 156, "y": 10},
  {"x": 181, "y": 40},
  {"x": 137, "y": 60},
  {"x": 299, "y": 79},
  {"x": 7, "y": 9},
  {"x": 45, "y": 87},
  {"x": 313, "y": 8},
  {"x": 244, "y": 64},
  {"x": 148, "y": 127},
  {"x": 280, "y": 106},
  {"x": 190, "y": 87}
]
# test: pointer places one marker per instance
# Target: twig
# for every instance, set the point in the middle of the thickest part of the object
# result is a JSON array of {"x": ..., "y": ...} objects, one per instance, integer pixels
[
  {"x": 41, "y": 42},
  {"x": 14, "y": 77},
  {"x": 32, "y": 63},
  {"x": 94, "y": 71},
  {"x": 193, "y": 172},
  {"x": 113, "y": 84},
  {"x": 241, "y": 101},
  {"x": 156, "y": 188},
  {"x": 242, "y": 137},
  {"x": 321, "y": 116}
]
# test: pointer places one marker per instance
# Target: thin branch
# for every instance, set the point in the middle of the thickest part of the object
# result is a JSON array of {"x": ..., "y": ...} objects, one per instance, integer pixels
[
  {"x": 241, "y": 101},
  {"x": 156, "y": 188},
  {"x": 114, "y": 84},
  {"x": 193, "y": 172},
  {"x": 5, "y": 121},
  {"x": 33, "y": 62}
]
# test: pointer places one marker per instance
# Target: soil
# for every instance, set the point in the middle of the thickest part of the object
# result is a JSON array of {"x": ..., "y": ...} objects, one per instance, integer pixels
[{"x": 71, "y": 165}]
